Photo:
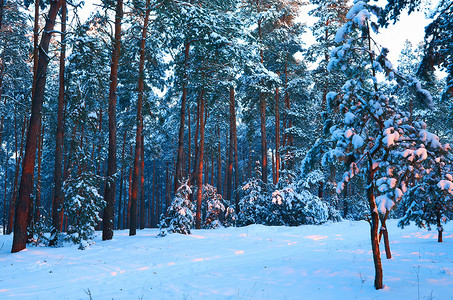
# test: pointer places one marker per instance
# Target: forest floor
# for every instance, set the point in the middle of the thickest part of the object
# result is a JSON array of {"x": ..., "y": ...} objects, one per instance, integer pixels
[{"x": 331, "y": 261}]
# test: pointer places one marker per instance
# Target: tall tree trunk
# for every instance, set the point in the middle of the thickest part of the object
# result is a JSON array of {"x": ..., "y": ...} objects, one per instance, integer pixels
[
  {"x": 167, "y": 189},
  {"x": 57, "y": 203},
  {"x": 219, "y": 163},
  {"x": 139, "y": 123},
  {"x": 229, "y": 170},
  {"x": 35, "y": 46},
  {"x": 200, "y": 163},
  {"x": 110, "y": 186},
  {"x": 179, "y": 159},
  {"x": 37, "y": 211},
  {"x": 26, "y": 188},
  {"x": 277, "y": 135},
  {"x": 19, "y": 156},
  {"x": 142, "y": 183},
  {"x": 120, "y": 204},
  {"x": 153, "y": 198},
  {"x": 374, "y": 222},
  {"x": 189, "y": 146},
  {"x": 5, "y": 192}
]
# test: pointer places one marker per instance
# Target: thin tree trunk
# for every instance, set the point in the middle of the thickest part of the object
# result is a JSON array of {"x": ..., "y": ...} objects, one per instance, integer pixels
[
  {"x": 200, "y": 163},
  {"x": 232, "y": 106},
  {"x": 440, "y": 228},
  {"x": 57, "y": 203},
  {"x": 37, "y": 212},
  {"x": 153, "y": 198},
  {"x": 189, "y": 146},
  {"x": 378, "y": 277},
  {"x": 26, "y": 188},
  {"x": 35, "y": 46},
  {"x": 277, "y": 136},
  {"x": 142, "y": 184},
  {"x": 110, "y": 186},
  {"x": 179, "y": 159},
  {"x": 167, "y": 189},
  {"x": 384, "y": 232},
  {"x": 12, "y": 205},
  {"x": 139, "y": 123},
  {"x": 5, "y": 192},
  {"x": 120, "y": 204}
]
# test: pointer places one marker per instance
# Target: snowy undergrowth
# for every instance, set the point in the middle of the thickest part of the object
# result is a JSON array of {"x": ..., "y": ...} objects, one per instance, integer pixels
[{"x": 252, "y": 262}]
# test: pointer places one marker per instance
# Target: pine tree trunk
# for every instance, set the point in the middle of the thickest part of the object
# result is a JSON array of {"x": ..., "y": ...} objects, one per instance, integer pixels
[
  {"x": 110, "y": 185},
  {"x": 440, "y": 228},
  {"x": 378, "y": 277},
  {"x": 153, "y": 198},
  {"x": 277, "y": 135},
  {"x": 35, "y": 46},
  {"x": 142, "y": 184},
  {"x": 139, "y": 124},
  {"x": 200, "y": 163},
  {"x": 219, "y": 164},
  {"x": 229, "y": 177},
  {"x": 5, "y": 195},
  {"x": 189, "y": 146},
  {"x": 383, "y": 232},
  {"x": 26, "y": 188},
  {"x": 12, "y": 203},
  {"x": 37, "y": 211},
  {"x": 120, "y": 204},
  {"x": 57, "y": 203},
  {"x": 167, "y": 189},
  {"x": 180, "y": 156}
]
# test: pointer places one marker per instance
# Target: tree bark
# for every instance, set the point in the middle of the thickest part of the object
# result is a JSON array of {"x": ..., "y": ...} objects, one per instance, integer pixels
[
  {"x": 179, "y": 159},
  {"x": 383, "y": 232},
  {"x": 378, "y": 277},
  {"x": 110, "y": 186},
  {"x": 12, "y": 204},
  {"x": 277, "y": 136},
  {"x": 120, "y": 204},
  {"x": 37, "y": 206},
  {"x": 139, "y": 123},
  {"x": 153, "y": 198},
  {"x": 200, "y": 163},
  {"x": 26, "y": 188},
  {"x": 229, "y": 178},
  {"x": 57, "y": 203},
  {"x": 142, "y": 183}
]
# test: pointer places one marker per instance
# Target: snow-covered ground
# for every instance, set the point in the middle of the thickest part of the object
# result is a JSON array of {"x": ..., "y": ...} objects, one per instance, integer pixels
[{"x": 331, "y": 261}]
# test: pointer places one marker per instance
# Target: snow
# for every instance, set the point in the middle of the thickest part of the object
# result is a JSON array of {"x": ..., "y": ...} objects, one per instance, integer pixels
[
  {"x": 253, "y": 262},
  {"x": 357, "y": 141}
]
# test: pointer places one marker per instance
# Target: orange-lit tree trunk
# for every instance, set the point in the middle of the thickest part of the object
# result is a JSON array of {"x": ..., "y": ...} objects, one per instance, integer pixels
[
  {"x": 120, "y": 203},
  {"x": 374, "y": 222},
  {"x": 26, "y": 183},
  {"x": 57, "y": 203},
  {"x": 200, "y": 163},
  {"x": 139, "y": 123},
  {"x": 180, "y": 156},
  {"x": 110, "y": 186},
  {"x": 37, "y": 206},
  {"x": 142, "y": 184},
  {"x": 35, "y": 46}
]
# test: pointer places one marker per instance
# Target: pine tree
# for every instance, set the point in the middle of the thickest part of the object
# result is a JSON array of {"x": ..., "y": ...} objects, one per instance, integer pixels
[{"x": 375, "y": 137}]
